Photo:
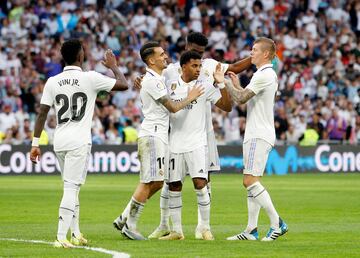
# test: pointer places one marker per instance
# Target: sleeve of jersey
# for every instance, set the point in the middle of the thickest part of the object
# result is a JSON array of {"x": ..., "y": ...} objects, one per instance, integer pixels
[
  {"x": 257, "y": 83},
  {"x": 213, "y": 94},
  {"x": 102, "y": 82},
  {"x": 47, "y": 98},
  {"x": 224, "y": 67},
  {"x": 155, "y": 88}
]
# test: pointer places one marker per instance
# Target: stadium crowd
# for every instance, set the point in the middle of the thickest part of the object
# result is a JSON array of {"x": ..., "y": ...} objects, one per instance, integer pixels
[{"x": 318, "y": 49}]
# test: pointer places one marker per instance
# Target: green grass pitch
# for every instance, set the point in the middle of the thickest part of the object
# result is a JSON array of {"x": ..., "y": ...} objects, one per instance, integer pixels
[{"x": 322, "y": 211}]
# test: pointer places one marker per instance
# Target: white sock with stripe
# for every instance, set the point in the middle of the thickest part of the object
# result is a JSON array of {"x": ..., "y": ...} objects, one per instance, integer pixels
[
  {"x": 262, "y": 197},
  {"x": 204, "y": 202},
  {"x": 75, "y": 227},
  {"x": 66, "y": 209},
  {"x": 253, "y": 213},
  {"x": 164, "y": 206},
  {"x": 175, "y": 206}
]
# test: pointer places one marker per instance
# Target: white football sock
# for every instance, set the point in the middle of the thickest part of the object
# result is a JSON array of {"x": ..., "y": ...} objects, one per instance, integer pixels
[
  {"x": 136, "y": 209},
  {"x": 66, "y": 209},
  {"x": 175, "y": 205},
  {"x": 262, "y": 197},
  {"x": 204, "y": 202},
  {"x": 253, "y": 213},
  {"x": 164, "y": 206},
  {"x": 75, "y": 227},
  {"x": 125, "y": 213},
  {"x": 209, "y": 188}
]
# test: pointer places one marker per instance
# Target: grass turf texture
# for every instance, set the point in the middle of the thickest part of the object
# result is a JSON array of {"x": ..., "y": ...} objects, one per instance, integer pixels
[{"x": 322, "y": 211}]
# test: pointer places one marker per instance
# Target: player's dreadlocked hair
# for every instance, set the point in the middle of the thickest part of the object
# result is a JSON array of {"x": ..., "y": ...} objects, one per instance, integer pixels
[
  {"x": 187, "y": 56},
  {"x": 70, "y": 50},
  {"x": 197, "y": 38},
  {"x": 147, "y": 50}
]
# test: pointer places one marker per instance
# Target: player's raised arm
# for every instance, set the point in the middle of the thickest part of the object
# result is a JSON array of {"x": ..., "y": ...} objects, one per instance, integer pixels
[
  {"x": 110, "y": 62},
  {"x": 35, "y": 152},
  {"x": 240, "y": 66},
  {"x": 238, "y": 94},
  {"x": 225, "y": 102},
  {"x": 174, "y": 107}
]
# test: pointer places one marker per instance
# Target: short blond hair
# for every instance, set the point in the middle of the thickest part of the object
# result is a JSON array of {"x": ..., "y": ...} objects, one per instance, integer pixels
[{"x": 267, "y": 45}]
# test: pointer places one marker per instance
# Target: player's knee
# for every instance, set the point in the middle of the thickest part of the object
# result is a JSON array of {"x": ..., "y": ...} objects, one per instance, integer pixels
[
  {"x": 175, "y": 186},
  {"x": 157, "y": 185},
  {"x": 249, "y": 180},
  {"x": 199, "y": 183}
]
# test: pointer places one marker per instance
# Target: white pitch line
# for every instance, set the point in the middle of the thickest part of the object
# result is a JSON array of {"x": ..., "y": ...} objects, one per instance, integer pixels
[{"x": 114, "y": 254}]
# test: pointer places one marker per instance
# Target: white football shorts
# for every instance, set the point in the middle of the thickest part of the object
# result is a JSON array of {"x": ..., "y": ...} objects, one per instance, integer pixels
[
  {"x": 193, "y": 163},
  {"x": 256, "y": 152},
  {"x": 214, "y": 160},
  {"x": 74, "y": 164},
  {"x": 153, "y": 155}
]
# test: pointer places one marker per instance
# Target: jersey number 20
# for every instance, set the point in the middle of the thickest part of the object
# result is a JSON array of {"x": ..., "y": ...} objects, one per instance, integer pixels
[{"x": 75, "y": 115}]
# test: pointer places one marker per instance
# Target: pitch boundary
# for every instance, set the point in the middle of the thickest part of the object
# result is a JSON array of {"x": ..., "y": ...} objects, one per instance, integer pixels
[{"x": 115, "y": 254}]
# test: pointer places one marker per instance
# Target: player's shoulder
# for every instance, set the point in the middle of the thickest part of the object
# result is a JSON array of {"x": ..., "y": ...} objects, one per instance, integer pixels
[{"x": 209, "y": 62}]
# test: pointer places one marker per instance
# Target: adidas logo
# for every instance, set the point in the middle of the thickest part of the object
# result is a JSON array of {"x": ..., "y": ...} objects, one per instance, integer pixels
[
  {"x": 212, "y": 164},
  {"x": 201, "y": 171},
  {"x": 60, "y": 218}
]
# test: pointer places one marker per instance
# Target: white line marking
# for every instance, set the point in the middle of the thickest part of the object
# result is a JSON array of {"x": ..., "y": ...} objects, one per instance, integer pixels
[{"x": 114, "y": 254}]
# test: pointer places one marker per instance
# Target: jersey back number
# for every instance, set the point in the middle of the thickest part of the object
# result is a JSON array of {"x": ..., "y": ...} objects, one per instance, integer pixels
[{"x": 72, "y": 103}]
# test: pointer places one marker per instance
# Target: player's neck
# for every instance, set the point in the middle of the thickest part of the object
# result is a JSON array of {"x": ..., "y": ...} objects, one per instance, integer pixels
[
  {"x": 74, "y": 64},
  {"x": 156, "y": 70},
  {"x": 186, "y": 78},
  {"x": 265, "y": 62}
]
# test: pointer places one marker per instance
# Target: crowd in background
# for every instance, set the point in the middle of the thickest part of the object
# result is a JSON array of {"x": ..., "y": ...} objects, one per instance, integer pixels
[{"x": 318, "y": 48}]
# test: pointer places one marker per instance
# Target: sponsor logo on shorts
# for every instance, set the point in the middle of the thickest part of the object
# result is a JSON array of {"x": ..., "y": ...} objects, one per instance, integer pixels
[{"x": 161, "y": 172}]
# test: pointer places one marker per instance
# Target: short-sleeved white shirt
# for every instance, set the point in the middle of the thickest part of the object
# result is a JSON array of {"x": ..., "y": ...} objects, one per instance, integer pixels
[
  {"x": 260, "y": 108},
  {"x": 73, "y": 93},
  {"x": 172, "y": 72},
  {"x": 188, "y": 126},
  {"x": 156, "y": 116}
]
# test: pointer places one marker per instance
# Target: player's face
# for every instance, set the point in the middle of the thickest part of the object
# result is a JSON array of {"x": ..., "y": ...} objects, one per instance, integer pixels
[
  {"x": 159, "y": 58},
  {"x": 258, "y": 55},
  {"x": 192, "y": 69},
  {"x": 196, "y": 48}
]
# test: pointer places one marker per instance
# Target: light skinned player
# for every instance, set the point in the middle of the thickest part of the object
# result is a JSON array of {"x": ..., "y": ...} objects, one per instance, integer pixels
[
  {"x": 188, "y": 142},
  {"x": 197, "y": 42},
  {"x": 73, "y": 93},
  {"x": 153, "y": 135},
  {"x": 259, "y": 138}
]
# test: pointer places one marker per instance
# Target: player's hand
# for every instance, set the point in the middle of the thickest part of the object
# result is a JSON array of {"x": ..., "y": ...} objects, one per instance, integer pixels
[
  {"x": 137, "y": 82},
  {"x": 234, "y": 79},
  {"x": 219, "y": 74},
  {"x": 109, "y": 59},
  {"x": 35, "y": 154},
  {"x": 195, "y": 92}
]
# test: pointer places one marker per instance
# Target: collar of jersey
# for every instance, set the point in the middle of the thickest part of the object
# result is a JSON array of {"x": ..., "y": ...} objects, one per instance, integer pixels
[
  {"x": 191, "y": 84},
  {"x": 265, "y": 66},
  {"x": 72, "y": 67},
  {"x": 151, "y": 72}
]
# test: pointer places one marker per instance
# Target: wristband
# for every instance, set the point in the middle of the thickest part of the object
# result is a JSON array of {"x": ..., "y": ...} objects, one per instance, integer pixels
[
  {"x": 221, "y": 85},
  {"x": 35, "y": 142}
]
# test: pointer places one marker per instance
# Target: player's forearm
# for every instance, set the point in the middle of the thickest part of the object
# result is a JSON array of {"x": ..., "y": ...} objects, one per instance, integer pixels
[
  {"x": 40, "y": 121},
  {"x": 236, "y": 94},
  {"x": 121, "y": 82},
  {"x": 177, "y": 106},
  {"x": 240, "y": 66},
  {"x": 225, "y": 101}
]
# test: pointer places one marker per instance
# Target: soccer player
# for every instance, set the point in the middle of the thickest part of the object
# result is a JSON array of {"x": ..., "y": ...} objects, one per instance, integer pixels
[
  {"x": 73, "y": 93},
  {"x": 259, "y": 138},
  {"x": 197, "y": 42},
  {"x": 153, "y": 136},
  {"x": 188, "y": 142}
]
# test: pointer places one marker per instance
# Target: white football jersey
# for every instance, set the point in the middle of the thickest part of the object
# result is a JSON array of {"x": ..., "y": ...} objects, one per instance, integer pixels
[
  {"x": 260, "y": 108},
  {"x": 156, "y": 116},
  {"x": 208, "y": 66},
  {"x": 188, "y": 126},
  {"x": 73, "y": 93}
]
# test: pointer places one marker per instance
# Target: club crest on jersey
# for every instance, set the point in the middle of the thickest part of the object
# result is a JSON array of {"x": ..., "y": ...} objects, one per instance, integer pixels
[
  {"x": 173, "y": 86},
  {"x": 160, "y": 86}
]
